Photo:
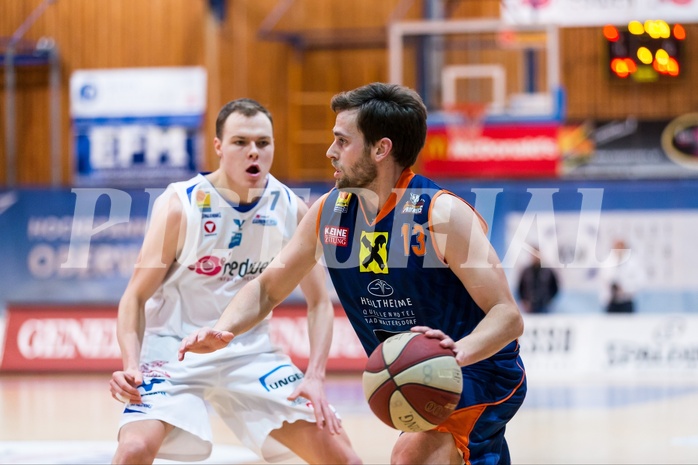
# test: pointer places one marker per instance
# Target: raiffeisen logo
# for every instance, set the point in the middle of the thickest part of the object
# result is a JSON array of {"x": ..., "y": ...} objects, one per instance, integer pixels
[{"x": 208, "y": 265}]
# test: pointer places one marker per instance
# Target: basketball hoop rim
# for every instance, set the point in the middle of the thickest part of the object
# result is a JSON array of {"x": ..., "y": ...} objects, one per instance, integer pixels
[{"x": 465, "y": 119}]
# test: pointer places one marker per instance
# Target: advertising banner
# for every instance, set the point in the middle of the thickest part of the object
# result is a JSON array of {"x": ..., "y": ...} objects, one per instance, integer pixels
[
  {"x": 70, "y": 246},
  {"x": 596, "y": 150},
  {"x": 561, "y": 346},
  {"x": 492, "y": 151},
  {"x": 596, "y": 12},
  {"x": 633, "y": 149},
  {"x": 137, "y": 126},
  {"x": 83, "y": 338},
  {"x": 62, "y": 338}
]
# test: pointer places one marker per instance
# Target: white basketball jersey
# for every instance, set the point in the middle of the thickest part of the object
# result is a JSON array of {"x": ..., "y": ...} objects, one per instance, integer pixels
[{"x": 226, "y": 246}]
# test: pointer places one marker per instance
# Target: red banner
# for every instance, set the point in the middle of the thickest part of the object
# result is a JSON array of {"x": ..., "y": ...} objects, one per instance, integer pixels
[
  {"x": 501, "y": 150},
  {"x": 61, "y": 338},
  {"x": 69, "y": 338}
]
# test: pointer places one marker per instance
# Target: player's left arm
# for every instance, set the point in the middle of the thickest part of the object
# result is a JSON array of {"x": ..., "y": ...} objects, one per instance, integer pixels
[{"x": 461, "y": 238}]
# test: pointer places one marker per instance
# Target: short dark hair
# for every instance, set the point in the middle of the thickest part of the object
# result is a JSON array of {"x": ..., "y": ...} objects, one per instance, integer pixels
[
  {"x": 388, "y": 110},
  {"x": 244, "y": 106}
]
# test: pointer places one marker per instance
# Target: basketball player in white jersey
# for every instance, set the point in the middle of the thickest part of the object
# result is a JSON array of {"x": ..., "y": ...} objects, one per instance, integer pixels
[{"x": 208, "y": 236}]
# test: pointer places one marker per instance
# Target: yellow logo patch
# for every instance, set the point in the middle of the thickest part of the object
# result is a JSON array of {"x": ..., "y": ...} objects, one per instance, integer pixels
[
  {"x": 374, "y": 252},
  {"x": 203, "y": 201},
  {"x": 342, "y": 203}
]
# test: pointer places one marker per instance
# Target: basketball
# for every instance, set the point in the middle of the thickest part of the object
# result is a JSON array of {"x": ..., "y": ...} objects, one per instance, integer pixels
[{"x": 412, "y": 383}]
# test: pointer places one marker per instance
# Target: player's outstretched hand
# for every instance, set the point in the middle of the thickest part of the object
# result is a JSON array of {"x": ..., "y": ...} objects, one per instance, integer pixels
[
  {"x": 313, "y": 389},
  {"x": 204, "y": 341}
]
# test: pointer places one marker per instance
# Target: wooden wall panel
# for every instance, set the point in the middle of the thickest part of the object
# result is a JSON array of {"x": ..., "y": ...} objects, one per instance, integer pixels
[
  {"x": 337, "y": 14},
  {"x": 32, "y": 163},
  {"x": 474, "y": 9},
  {"x": 92, "y": 34},
  {"x": 253, "y": 68}
]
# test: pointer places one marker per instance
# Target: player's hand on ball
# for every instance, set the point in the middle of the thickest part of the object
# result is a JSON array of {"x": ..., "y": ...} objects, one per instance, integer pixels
[
  {"x": 204, "y": 341},
  {"x": 446, "y": 341}
]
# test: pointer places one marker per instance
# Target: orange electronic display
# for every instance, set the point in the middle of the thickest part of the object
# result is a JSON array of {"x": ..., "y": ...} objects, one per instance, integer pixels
[{"x": 645, "y": 52}]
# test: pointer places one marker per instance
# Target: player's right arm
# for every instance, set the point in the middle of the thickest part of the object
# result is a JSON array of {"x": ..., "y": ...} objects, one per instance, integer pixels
[
  {"x": 161, "y": 244},
  {"x": 258, "y": 297}
]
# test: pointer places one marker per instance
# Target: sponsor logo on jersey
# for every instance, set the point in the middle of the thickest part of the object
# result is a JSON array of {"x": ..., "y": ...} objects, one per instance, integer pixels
[
  {"x": 280, "y": 376},
  {"x": 211, "y": 215},
  {"x": 341, "y": 205},
  {"x": 146, "y": 389},
  {"x": 380, "y": 288},
  {"x": 212, "y": 266},
  {"x": 155, "y": 369},
  {"x": 244, "y": 268},
  {"x": 236, "y": 238},
  {"x": 129, "y": 409},
  {"x": 336, "y": 235},
  {"x": 414, "y": 205},
  {"x": 373, "y": 256},
  {"x": 203, "y": 201},
  {"x": 264, "y": 220},
  {"x": 209, "y": 228},
  {"x": 149, "y": 384},
  {"x": 209, "y": 266}
]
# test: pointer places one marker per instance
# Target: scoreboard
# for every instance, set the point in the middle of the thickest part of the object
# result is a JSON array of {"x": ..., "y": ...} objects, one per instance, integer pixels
[{"x": 645, "y": 52}]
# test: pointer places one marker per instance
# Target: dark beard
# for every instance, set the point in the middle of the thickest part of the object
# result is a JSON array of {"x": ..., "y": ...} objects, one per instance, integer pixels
[{"x": 361, "y": 175}]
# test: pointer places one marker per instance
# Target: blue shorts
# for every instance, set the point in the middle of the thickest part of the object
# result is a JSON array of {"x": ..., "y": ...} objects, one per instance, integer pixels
[{"x": 490, "y": 399}]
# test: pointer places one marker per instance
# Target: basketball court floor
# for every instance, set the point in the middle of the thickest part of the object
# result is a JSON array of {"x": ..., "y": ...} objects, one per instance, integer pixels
[{"x": 71, "y": 419}]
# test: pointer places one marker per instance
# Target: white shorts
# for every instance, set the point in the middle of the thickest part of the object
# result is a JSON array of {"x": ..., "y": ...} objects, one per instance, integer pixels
[{"x": 247, "y": 384}]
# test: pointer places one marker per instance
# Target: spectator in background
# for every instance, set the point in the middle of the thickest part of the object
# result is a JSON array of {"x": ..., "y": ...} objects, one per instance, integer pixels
[
  {"x": 620, "y": 279},
  {"x": 538, "y": 286}
]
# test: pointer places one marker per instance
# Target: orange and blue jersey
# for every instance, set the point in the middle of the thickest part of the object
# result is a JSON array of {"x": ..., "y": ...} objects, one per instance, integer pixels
[{"x": 390, "y": 276}]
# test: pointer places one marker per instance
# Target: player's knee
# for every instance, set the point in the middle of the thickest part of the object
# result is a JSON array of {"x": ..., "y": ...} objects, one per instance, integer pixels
[
  {"x": 337, "y": 450},
  {"x": 410, "y": 456},
  {"x": 344, "y": 454},
  {"x": 135, "y": 450},
  {"x": 351, "y": 458},
  {"x": 406, "y": 456},
  {"x": 400, "y": 457}
]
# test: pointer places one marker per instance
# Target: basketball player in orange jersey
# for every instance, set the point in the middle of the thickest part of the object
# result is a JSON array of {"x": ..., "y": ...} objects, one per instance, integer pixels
[
  {"x": 208, "y": 237},
  {"x": 404, "y": 255}
]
